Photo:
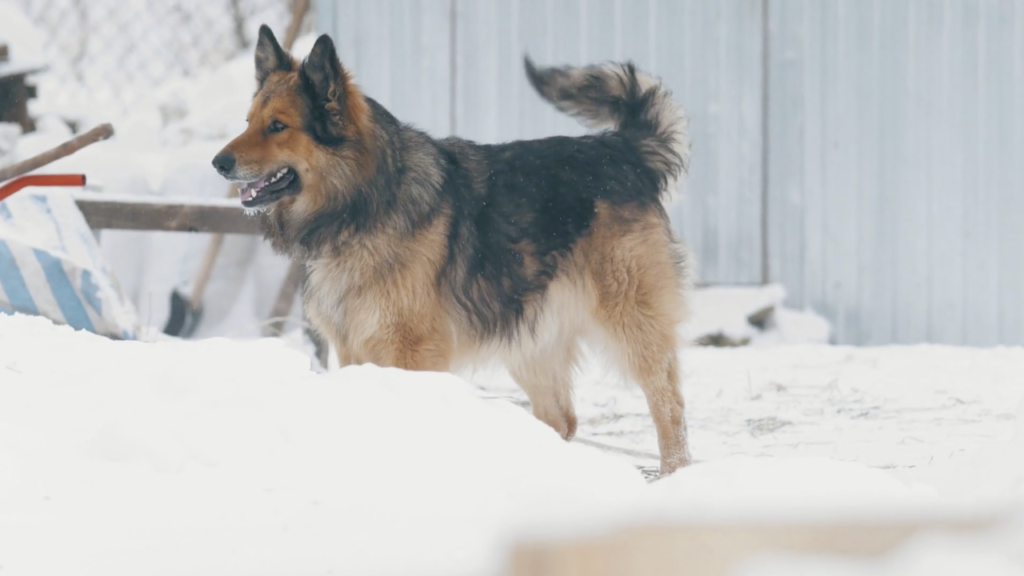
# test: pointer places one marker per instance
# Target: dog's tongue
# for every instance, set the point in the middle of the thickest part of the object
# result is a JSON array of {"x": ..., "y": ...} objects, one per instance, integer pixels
[
  {"x": 252, "y": 187},
  {"x": 268, "y": 184}
]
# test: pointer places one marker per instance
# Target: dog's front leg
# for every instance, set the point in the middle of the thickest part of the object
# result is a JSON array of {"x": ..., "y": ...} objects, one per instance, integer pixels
[{"x": 414, "y": 343}]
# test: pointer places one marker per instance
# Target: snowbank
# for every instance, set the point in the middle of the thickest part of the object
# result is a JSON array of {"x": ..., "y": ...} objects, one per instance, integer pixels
[
  {"x": 755, "y": 315},
  {"x": 232, "y": 457}
]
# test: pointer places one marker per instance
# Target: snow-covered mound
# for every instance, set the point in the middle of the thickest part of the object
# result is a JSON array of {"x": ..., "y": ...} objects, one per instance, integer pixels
[
  {"x": 755, "y": 315},
  {"x": 233, "y": 457}
]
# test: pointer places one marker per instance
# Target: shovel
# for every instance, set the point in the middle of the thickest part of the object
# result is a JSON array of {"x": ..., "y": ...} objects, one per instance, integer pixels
[{"x": 187, "y": 311}]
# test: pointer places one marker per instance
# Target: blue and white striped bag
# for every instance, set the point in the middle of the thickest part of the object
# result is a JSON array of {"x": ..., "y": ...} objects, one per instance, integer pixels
[{"x": 52, "y": 266}]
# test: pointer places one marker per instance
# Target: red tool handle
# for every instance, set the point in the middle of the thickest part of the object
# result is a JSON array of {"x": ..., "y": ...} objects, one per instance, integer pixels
[{"x": 41, "y": 180}]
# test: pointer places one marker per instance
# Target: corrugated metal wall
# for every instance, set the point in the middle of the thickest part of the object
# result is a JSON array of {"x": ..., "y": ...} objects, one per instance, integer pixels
[
  {"x": 709, "y": 53},
  {"x": 895, "y": 201},
  {"x": 896, "y": 187}
]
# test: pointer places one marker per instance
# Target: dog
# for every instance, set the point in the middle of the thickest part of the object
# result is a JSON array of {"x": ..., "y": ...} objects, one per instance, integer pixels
[{"x": 435, "y": 254}]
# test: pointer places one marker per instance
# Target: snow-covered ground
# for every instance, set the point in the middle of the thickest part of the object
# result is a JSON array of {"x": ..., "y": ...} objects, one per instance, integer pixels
[{"x": 231, "y": 456}]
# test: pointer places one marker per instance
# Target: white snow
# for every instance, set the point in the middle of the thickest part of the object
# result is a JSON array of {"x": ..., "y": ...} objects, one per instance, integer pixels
[
  {"x": 24, "y": 42},
  {"x": 726, "y": 311},
  {"x": 233, "y": 457}
]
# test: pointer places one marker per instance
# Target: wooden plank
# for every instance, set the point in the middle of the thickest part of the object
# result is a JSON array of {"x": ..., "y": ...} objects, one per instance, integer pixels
[
  {"x": 719, "y": 550},
  {"x": 103, "y": 212}
]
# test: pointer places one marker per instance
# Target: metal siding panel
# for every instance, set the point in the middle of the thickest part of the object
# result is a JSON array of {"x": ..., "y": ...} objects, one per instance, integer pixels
[
  {"x": 685, "y": 76},
  {"x": 727, "y": 154},
  {"x": 981, "y": 208},
  {"x": 1011, "y": 199},
  {"x": 894, "y": 149},
  {"x": 912, "y": 200},
  {"x": 672, "y": 44},
  {"x": 477, "y": 66},
  {"x": 836, "y": 190},
  {"x": 946, "y": 256},
  {"x": 399, "y": 55},
  {"x": 786, "y": 109},
  {"x": 510, "y": 57},
  {"x": 1005, "y": 264},
  {"x": 894, "y": 126},
  {"x": 566, "y": 46},
  {"x": 715, "y": 74},
  {"x": 709, "y": 133},
  {"x": 635, "y": 29},
  {"x": 719, "y": 86},
  {"x": 874, "y": 294},
  {"x": 815, "y": 141},
  {"x": 749, "y": 76}
]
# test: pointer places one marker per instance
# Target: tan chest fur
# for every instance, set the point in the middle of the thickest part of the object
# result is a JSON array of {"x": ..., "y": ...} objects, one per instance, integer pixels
[{"x": 379, "y": 301}]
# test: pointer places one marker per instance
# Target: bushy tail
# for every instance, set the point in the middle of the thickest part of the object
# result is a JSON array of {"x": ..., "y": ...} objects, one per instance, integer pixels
[{"x": 619, "y": 97}]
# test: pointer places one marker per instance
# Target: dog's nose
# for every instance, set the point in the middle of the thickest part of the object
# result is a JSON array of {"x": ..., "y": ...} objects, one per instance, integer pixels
[{"x": 224, "y": 163}]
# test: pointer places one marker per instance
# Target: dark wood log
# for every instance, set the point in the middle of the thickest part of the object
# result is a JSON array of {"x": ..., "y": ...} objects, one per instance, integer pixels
[{"x": 106, "y": 212}]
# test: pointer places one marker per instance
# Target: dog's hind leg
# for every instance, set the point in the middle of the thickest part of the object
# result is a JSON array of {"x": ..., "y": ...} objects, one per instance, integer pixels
[
  {"x": 646, "y": 347},
  {"x": 546, "y": 377},
  {"x": 640, "y": 302}
]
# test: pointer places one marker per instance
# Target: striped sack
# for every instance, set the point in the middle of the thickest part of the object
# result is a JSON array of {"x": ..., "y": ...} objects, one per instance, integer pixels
[{"x": 52, "y": 266}]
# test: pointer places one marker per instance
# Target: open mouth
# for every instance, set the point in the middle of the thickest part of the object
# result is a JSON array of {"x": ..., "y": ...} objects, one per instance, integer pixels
[{"x": 271, "y": 188}]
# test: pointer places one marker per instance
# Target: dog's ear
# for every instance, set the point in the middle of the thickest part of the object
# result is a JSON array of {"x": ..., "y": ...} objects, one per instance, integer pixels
[
  {"x": 322, "y": 73},
  {"x": 326, "y": 84},
  {"x": 270, "y": 57}
]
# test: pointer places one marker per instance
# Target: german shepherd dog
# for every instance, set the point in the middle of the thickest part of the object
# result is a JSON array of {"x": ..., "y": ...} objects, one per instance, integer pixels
[{"x": 429, "y": 254}]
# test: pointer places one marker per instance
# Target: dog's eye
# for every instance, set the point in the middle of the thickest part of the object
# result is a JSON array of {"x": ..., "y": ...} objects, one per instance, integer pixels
[{"x": 275, "y": 127}]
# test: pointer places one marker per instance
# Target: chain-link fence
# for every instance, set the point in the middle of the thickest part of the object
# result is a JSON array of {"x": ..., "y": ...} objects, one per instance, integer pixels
[{"x": 115, "y": 51}]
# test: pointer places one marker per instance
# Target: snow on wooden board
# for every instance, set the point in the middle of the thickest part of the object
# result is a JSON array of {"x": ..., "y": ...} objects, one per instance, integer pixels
[{"x": 232, "y": 457}]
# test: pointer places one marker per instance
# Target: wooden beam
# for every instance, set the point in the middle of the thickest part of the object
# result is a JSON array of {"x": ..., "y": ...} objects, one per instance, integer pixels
[
  {"x": 219, "y": 216},
  {"x": 718, "y": 549}
]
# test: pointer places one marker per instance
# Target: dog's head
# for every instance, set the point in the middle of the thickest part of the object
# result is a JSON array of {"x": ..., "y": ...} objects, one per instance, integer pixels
[{"x": 309, "y": 129}]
